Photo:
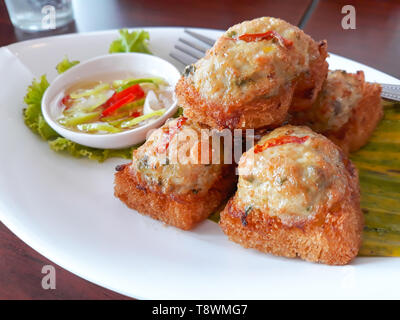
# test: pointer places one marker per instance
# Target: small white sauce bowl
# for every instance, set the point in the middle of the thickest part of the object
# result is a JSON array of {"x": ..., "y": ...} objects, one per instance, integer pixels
[{"x": 138, "y": 64}]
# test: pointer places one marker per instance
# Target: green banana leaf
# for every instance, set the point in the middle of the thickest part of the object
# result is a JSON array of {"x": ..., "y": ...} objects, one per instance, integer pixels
[{"x": 379, "y": 167}]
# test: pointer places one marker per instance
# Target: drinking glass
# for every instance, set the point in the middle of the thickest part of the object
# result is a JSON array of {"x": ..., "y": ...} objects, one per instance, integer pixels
[{"x": 39, "y": 15}]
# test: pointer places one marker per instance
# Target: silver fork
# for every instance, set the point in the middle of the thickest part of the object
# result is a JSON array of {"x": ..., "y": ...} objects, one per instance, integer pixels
[{"x": 189, "y": 51}]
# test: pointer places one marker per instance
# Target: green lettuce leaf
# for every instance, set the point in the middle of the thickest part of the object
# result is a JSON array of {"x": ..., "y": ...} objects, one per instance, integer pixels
[
  {"x": 135, "y": 41},
  {"x": 76, "y": 150},
  {"x": 65, "y": 65},
  {"x": 33, "y": 112}
]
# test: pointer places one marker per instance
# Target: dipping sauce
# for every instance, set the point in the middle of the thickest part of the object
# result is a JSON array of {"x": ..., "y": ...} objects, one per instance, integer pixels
[{"x": 104, "y": 107}]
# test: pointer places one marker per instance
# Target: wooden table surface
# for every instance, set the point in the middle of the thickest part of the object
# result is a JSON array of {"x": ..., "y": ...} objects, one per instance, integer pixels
[{"x": 375, "y": 42}]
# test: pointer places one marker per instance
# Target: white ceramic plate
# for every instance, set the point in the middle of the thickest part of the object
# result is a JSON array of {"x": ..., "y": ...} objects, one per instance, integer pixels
[{"x": 65, "y": 209}]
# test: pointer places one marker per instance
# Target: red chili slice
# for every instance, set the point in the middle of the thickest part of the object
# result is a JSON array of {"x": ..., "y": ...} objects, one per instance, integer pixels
[
  {"x": 115, "y": 106},
  {"x": 66, "y": 101},
  {"x": 169, "y": 133},
  {"x": 269, "y": 35},
  {"x": 278, "y": 142},
  {"x": 135, "y": 89},
  {"x": 122, "y": 98}
]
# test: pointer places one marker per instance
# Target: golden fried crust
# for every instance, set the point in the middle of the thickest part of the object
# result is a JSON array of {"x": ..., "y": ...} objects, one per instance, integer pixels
[
  {"x": 256, "y": 114},
  {"x": 183, "y": 211},
  {"x": 363, "y": 121},
  {"x": 333, "y": 236},
  {"x": 310, "y": 83}
]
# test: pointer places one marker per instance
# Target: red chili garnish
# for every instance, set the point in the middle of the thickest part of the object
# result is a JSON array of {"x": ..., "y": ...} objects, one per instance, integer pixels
[
  {"x": 121, "y": 102},
  {"x": 169, "y": 133},
  {"x": 181, "y": 122},
  {"x": 121, "y": 98},
  {"x": 269, "y": 35},
  {"x": 135, "y": 89},
  {"x": 136, "y": 114},
  {"x": 278, "y": 142},
  {"x": 66, "y": 101}
]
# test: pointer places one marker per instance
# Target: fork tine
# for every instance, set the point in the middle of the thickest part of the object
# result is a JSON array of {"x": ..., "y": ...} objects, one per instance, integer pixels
[
  {"x": 200, "y": 37},
  {"x": 184, "y": 61},
  {"x": 390, "y": 96},
  {"x": 388, "y": 87},
  {"x": 390, "y": 91},
  {"x": 193, "y": 45},
  {"x": 184, "y": 50}
]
